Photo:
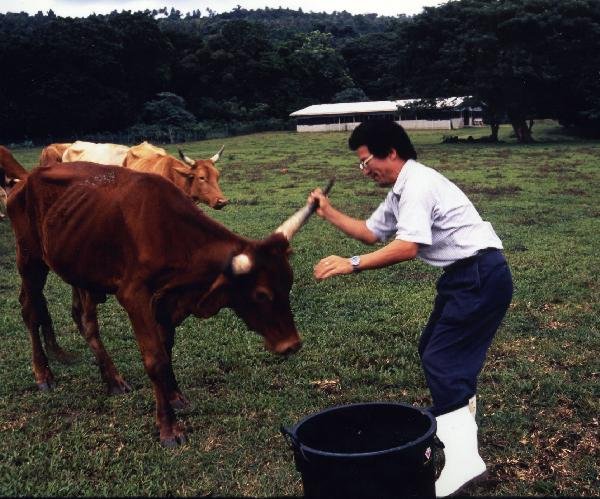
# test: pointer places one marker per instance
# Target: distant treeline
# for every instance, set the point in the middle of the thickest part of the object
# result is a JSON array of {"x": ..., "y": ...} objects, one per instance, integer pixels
[{"x": 167, "y": 76}]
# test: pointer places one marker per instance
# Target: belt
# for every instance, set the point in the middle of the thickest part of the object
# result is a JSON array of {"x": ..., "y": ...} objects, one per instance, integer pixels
[{"x": 469, "y": 259}]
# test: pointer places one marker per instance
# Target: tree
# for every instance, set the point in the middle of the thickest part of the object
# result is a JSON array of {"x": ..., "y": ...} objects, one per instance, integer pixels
[
  {"x": 167, "y": 109},
  {"x": 523, "y": 58},
  {"x": 350, "y": 95},
  {"x": 167, "y": 114},
  {"x": 319, "y": 71}
]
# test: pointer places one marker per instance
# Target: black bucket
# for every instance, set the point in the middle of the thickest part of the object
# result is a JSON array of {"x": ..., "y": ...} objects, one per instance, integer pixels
[{"x": 379, "y": 450}]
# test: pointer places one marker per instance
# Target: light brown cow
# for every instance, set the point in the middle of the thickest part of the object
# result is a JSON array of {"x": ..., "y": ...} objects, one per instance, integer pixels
[
  {"x": 199, "y": 179},
  {"x": 11, "y": 172},
  {"x": 100, "y": 229},
  {"x": 103, "y": 154},
  {"x": 52, "y": 153}
]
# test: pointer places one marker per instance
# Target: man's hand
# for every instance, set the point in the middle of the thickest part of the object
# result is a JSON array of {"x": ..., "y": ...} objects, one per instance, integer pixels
[
  {"x": 324, "y": 206},
  {"x": 331, "y": 266}
]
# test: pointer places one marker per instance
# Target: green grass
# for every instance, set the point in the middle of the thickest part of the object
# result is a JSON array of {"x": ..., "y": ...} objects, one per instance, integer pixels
[{"x": 538, "y": 394}]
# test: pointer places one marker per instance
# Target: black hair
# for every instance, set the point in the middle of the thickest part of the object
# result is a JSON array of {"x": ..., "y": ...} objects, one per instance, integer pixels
[{"x": 380, "y": 137}]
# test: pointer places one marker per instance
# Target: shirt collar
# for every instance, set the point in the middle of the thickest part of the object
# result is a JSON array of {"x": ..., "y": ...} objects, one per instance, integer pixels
[{"x": 402, "y": 176}]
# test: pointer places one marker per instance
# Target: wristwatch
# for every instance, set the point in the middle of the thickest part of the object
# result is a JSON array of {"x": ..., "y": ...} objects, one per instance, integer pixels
[{"x": 355, "y": 262}]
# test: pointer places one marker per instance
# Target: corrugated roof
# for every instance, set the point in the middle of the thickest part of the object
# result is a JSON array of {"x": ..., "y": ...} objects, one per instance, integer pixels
[
  {"x": 440, "y": 103},
  {"x": 381, "y": 106},
  {"x": 347, "y": 108}
]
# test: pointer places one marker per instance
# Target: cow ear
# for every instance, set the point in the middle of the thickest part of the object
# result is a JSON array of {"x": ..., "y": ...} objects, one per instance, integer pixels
[{"x": 216, "y": 298}]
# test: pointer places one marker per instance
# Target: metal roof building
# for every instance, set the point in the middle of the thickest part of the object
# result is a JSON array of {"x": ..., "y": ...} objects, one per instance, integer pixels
[{"x": 413, "y": 114}]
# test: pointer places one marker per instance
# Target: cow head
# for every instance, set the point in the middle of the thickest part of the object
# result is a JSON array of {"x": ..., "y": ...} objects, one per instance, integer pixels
[
  {"x": 261, "y": 280},
  {"x": 201, "y": 180},
  {"x": 255, "y": 281}
]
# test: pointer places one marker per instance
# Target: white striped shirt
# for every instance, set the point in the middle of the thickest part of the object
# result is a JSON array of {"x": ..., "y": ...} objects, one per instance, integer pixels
[{"x": 424, "y": 207}]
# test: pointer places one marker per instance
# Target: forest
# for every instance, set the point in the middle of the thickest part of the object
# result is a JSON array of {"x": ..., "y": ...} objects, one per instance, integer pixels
[{"x": 173, "y": 76}]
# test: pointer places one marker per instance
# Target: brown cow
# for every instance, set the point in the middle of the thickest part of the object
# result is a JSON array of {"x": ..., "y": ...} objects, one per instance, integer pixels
[
  {"x": 101, "y": 230},
  {"x": 199, "y": 179}
]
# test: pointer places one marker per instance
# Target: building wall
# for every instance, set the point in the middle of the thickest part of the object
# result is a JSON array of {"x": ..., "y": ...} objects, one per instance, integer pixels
[{"x": 407, "y": 124}]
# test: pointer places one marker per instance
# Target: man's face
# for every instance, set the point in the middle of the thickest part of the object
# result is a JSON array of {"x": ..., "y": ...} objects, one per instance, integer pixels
[{"x": 381, "y": 170}]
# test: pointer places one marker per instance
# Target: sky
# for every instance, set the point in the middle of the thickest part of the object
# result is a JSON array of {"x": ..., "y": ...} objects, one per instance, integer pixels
[{"x": 83, "y": 8}]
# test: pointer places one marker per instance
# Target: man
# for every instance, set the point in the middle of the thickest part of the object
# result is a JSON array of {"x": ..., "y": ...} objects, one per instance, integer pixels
[{"x": 430, "y": 218}]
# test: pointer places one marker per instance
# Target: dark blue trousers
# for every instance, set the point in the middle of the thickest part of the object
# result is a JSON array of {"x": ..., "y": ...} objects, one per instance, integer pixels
[{"x": 472, "y": 298}]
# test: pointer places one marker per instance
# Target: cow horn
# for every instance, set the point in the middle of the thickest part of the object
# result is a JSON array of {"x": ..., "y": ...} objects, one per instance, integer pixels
[
  {"x": 216, "y": 157},
  {"x": 241, "y": 264},
  {"x": 185, "y": 159},
  {"x": 298, "y": 219}
]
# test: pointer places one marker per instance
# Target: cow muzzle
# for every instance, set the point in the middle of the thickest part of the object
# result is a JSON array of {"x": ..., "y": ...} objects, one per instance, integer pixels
[
  {"x": 286, "y": 347},
  {"x": 220, "y": 203}
]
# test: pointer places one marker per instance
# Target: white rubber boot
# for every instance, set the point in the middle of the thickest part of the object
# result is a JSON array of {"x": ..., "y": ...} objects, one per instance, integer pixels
[{"x": 458, "y": 432}]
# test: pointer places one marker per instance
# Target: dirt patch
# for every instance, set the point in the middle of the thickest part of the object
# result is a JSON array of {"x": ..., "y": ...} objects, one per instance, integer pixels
[
  {"x": 555, "y": 454},
  {"x": 573, "y": 191},
  {"x": 245, "y": 202},
  {"x": 556, "y": 169},
  {"x": 500, "y": 190},
  {"x": 369, "y": 193}
]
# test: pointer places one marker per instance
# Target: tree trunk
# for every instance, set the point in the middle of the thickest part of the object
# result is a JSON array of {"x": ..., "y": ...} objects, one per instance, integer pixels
[
  {"x": 495, "y": 127},
  {"x": 522, "y": 131}
]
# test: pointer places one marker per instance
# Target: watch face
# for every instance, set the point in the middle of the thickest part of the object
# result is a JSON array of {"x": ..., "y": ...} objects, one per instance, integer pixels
[{"x": 355, "y": 261}]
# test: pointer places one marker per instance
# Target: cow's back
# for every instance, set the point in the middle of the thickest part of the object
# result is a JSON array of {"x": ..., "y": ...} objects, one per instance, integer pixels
[
  {"x": 94, "y": 224},
  {"x": 146, "y": 150},
  {"x": 103, "y": 154},
  {"x": 148, "y": 158}
]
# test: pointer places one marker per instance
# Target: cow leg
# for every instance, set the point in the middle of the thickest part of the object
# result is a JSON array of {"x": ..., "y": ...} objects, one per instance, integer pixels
[
  {"x": 76, "y": 308},
  {"x": 35, "y": 313},
  {"x": 36, "y": 282},
  {"x": 84, "y": 312},
  {"x": 154, "y": 347},
  {"x": 52, "y": 347},
  {"x": 177, "y": 399}
]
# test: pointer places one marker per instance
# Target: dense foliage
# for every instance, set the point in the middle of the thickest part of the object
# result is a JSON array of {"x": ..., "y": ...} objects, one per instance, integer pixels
[{"x": 248, "y": 69}]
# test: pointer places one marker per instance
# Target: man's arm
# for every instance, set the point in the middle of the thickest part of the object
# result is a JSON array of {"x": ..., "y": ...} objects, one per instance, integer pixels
[
  {"x": 394, "y": 252},
  {"x": 352, "y": 227}
]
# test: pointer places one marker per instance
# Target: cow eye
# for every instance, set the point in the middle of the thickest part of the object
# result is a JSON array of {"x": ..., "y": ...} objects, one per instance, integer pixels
[{"x": 202, "y": 179}]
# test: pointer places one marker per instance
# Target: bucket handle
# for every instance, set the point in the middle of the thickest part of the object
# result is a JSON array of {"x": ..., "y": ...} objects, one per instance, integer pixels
[
  {"x": 292, "y": 441},
  {"x": 289, "y": 436}
]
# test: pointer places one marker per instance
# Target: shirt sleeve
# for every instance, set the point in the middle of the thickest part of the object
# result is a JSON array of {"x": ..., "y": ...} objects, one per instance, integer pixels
[
  {"x": 382, "y": 221},
  {"x": 415, "y": 214}
]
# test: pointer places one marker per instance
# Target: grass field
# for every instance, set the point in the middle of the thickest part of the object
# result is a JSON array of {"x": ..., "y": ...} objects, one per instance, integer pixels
[{"x": 538, "y": 395}]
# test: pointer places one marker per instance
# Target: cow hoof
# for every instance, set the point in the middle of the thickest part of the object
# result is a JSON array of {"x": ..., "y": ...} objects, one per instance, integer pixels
[
  {"x": 179, "y": 402},
  {"x": 174, "y": 441},
  {"x": 46, "y": 386},
  {"x": 119, "y": 387}
]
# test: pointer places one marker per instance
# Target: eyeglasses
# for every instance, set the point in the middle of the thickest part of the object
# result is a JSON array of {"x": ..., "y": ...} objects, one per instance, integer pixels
[{"x": 365, "y": 162}]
